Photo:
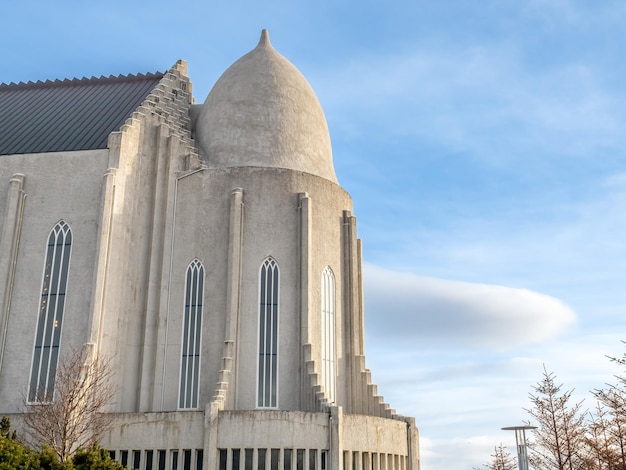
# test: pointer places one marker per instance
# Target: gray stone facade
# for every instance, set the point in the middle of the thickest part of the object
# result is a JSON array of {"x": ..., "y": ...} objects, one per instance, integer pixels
[{"x": 227, "y": 185}]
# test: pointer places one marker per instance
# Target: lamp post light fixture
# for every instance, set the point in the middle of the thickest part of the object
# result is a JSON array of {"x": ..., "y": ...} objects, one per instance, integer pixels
[{"x": 520, "y": 440}]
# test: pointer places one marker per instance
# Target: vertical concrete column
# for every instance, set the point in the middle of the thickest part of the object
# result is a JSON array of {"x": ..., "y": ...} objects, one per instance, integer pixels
[
  {"x": 211, "y": 452},
  {"x": 413, "y": 453},
  {"x": 159, "y": 186},
  {"x": 103, "y": 244},
  {"x": 335, "y": 446},
  {"x": 304, "y": 207},
  {"x": 255, "y": 458},
  {"x": 9, "y": 245},
  {"x": 233, "y": 296},
  {"x": 352, "y": 311}
]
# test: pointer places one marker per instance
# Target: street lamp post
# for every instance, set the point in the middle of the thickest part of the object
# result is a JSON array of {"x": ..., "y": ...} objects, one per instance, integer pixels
[{"x": 520, "y": 440}]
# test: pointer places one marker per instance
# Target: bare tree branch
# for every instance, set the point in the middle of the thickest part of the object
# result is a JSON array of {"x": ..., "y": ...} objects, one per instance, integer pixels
[{"x": 74, "y": 418}]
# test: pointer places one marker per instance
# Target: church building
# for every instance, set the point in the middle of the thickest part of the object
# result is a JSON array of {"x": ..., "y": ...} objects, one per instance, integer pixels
[{"x": 209, "y": 251}]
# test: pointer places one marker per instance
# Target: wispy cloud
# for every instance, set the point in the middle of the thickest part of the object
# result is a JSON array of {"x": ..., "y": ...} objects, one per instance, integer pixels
[{"x": 487, "y": 100}]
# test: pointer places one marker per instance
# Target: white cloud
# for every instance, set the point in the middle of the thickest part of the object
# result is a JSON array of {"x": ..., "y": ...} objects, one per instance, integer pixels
[{"x": 430, "y": 311}]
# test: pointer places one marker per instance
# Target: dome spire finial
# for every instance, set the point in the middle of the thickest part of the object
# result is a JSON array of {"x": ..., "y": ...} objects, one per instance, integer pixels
[{"x": 265, "y": 39}]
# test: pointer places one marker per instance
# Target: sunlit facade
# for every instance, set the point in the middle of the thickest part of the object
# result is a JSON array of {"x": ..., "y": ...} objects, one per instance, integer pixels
[{"x": 209, "y": 251}]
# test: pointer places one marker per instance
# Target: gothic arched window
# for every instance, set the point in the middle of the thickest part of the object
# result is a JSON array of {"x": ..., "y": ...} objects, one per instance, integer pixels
[
  {"x": 50, "y": 316},
  {"x": 192, "y": 327},
  {"x": 328, "y": 333},
  {"x": 267, "y": 372}
]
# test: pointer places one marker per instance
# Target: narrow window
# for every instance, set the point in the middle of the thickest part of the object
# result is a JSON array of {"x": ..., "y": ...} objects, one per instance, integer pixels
[
  {"x": 275, "y": 459},
  {"x": 50, "y": 317},
  {"x": 261, "y": 453},
  {"x": 149, "y": 458},
  {"x": 136, "y": 459},
  {"x": 236, "y": 453},
  {"x": 267, "y": 394},
  {"x": 300, "y": 459},
  {"x": 312, "y": 462},
  {"x": 124, "y": 458},
  {"x": 187, "y": 459},
  {"x": 287, "y": 458},
  {"x": 192, "y": 326},
  {"x": 328, "y": 334},
  {"x": 249, "y": 455}
]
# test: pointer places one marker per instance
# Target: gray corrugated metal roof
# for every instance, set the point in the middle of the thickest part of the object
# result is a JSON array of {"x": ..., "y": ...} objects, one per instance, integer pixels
[{"x": 76, "y": 114}]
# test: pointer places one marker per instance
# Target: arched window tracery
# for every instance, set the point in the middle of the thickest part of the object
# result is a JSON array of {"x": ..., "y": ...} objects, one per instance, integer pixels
[
  {"x": 50, "y": 316},
  {"x": 267, "y": 371}
]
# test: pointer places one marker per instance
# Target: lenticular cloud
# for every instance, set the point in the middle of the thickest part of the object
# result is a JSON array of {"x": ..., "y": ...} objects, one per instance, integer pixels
[{"x": 402, "y": 306}]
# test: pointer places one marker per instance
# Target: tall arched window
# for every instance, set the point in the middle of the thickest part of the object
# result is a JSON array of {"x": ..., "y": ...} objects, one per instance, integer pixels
[
  {"x": 50, "y": 316},
  {"x": 328, "y": 333},
  {"x": 192, "y": 327},
  {"x": 267, "y": 393}
]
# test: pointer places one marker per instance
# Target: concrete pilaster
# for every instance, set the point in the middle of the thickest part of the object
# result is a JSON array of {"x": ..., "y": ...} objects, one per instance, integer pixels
[
  {"x": 233, "y": 294},
  {"x": 158, "y": 194},
  {"x": 304, "y": 206},
  {"x": 9, "y": 244}
]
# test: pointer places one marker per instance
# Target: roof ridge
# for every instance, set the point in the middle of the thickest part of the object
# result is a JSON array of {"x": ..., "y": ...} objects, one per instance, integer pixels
[{"x": 82, "y": 81}]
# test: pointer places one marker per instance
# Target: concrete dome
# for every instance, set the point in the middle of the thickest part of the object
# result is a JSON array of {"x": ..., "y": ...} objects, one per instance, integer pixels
[{"x": 262, "y": 112}]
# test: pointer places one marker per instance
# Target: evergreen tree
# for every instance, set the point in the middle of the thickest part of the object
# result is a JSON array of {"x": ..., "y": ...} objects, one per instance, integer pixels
[
  {"x": 94, "y": 458},
  {"x": 13, "y": 454}
]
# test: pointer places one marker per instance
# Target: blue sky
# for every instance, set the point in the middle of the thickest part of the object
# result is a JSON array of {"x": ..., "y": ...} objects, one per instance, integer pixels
[{"x": 483, "y": 144}]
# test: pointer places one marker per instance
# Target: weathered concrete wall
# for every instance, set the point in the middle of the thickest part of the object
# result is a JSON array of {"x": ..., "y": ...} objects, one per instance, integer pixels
[
  {"x": 271, "y": 227},
  {"x": 272, "y": 429},
  {"x": 60, "y": 186},
  {"x": 156, "y": 431},
  {"x": 369, "y": 433}
]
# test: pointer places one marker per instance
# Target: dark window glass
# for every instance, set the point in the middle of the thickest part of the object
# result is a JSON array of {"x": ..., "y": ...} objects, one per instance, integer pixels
[
  {"x": 275, "y": 457},
  {"x": 312, "y": 462},
  {"x": 149, "y": 456},
  {"x": 50, "y": 314},
  {"x": 248, "y": 459},
  {"x": 223, "y": 456},
  {"x": 236, "y": 453},
  {"x": 124, "y": 458},
  {"x": 192, "y": 327},
  {"x": 175, "y": 460},
  {"x": 300, "y": 459},
  {"x": 187, "y": 459},
  {"x": 136, "y": 459},
  {"x": 162, "y": 461},
  {"x": 268, "y": 335},
  {"x": 287, "y": 456},
  {"x": 261, "y": 458},
  {"x": 199, "y": 459}
]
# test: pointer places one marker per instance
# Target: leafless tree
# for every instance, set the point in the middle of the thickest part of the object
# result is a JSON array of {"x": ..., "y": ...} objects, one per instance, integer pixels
[
  {"x": 559, "y": 440},
  {"x": 501, "y": 459},
  {"x": 612, "y": 421},
  {"x": 74, "y": 418},
  {"x": 600, "y": 440}
]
